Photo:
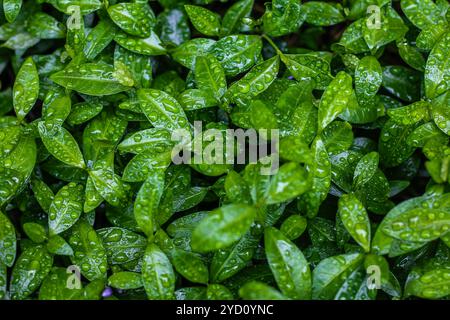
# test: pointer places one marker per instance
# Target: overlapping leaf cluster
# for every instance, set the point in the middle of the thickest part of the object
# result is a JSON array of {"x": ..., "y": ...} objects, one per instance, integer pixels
[{"x": 92, "y": 90}]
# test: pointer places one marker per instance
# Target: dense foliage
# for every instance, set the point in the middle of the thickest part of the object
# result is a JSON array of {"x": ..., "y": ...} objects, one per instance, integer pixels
[{"x": 91, "y": 92}]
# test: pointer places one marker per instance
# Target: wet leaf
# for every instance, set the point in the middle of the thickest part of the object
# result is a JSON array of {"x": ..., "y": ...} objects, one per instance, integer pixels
[
  {"x": 122, "y": 245},
  {"x": 96, "y": 79},
  {"x": 7, "y": 241},
  {"x": 331, "y": 273},
  {"x": 61, "y": 144},
  {"x": 237, "y": 53},
  {"x": 31, "y": 268},
  {"x": 89, "y": 253},
  {"x": 334, "y": 99},
  {"x": 437, "y": 68},
  {"x": 157, "y": 274},
  {"x": 204, "y": 20},
  {"x": 65, "y": 208},
  {"x": 355, "y": 220},
  {"x": 222, "y": 227},
  {"x": 26, "y": 88},
  {"x": 136, "y": 19},
  {"x": 289, "y": 266}
]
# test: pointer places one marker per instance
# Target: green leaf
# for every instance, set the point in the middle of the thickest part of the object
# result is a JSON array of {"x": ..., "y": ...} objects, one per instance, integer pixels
[
  {"x": 142, "y": 165},
  {"x": 222, "y": 227},
  {"x": 96, "y": 79},
  {"x": 3, "y": 281},
  {"x": 355, "y": 287},
  {"x": 196, "y": 99},
  {"x": 424, "y": 133},
  {"x": 15, "y": 170},
  {"x": 365, "y": 169},
  {"x": 368, "y": 78},
  {"x": 352, "y": 39},
  {"x": 439, "y": 111},
  {"x": 295, "y": 112},
  {"x": 283, "y": 17},
  {"x": 229, "y": 261},
  {"x": 331, "y": 273},
  {"x": 290, "y": 181},
  {"x": 429, "y": 36},
  {"x": 438, "y": 68},
  {"x": 173, "y": 26},
  {"x": 254, "y": 82},
  {"x": 157, "y": 274},
  {"x": 137, "y": 19},
  {"x": 232, "y": 20},
  {"x": 236, "y": 188},
  {"x": 189, "y": 199},
  {"x": 309, "y": 67},
  {"x": 149, "y": 46},
  {"x": 411, "y": 114},
  {"x": 26, "y": 88},
  {"x": 433, "y": 284},
  {"x": 57, "y": 245},
  {"x": 162, "y": 110},
  {"x": 411, "y": 55},
  {"x": 56, "y": 107},
  {"x": 125, "y": 280},
  {"x": 190, "y": 293},
  {"x": 392, "y": 28},
  {"x": 218, "y": 292},
  {"x": 147, "y": 201},
  {"x": 187, "y": 52},
  {"x": 110, "y": 186},
  {"x": 139, "y": 66},
  {"x": 35, "y": 232},
  {"x": 44, "y": 195},
  {"x": 66, "y": 208},
  {"x": 83, "y": 112},
  {"x": 190, "y": 266},
  {"x": 11, "y": 137},
  {"x": 122, "y": 245},
  {"x": 334, "y": 99},
  {"x": 11, "y": 9},
  {"x": 255, "y": 290},
  {"x": 320, "y": 171},
  {"x": 355, "y": 220},
  {"x": 294, "y": 149},
  {"x": 402, "y": 82},
  {"x": 99, "y": 38},
  {"x": 392, "y": 145},
  {"x": 54, "y": 286},
  {"x": 44, "y": 26},
  {"x": 422, "y": 13},
  {"x": 61, "y": 144},
  {"x": 210, "y": 76},
  {"x": 86, "y": 6},
  {"x": 148, "y": 140},
  {"x": 289, "y": 266},
  {"x": 337, "y": 137},
  {"x": 21, "y": 41},
  {"x": 294, "y": 226},
  {"x": 237, "y": 53},
  {"x": 7, "y": 241},
  {"x": 89, "y": 253},
  {"x": 204, "y": 20},
  {"x": 320, "y": 13},
  {"x": 419, "y": 225},
  {"x": 382, "y": 243},
  {"x": 31, "y": 268}
]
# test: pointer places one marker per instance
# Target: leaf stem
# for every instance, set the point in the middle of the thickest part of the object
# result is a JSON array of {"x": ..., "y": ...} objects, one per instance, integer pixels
[{"x": 270, "y": 41}]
